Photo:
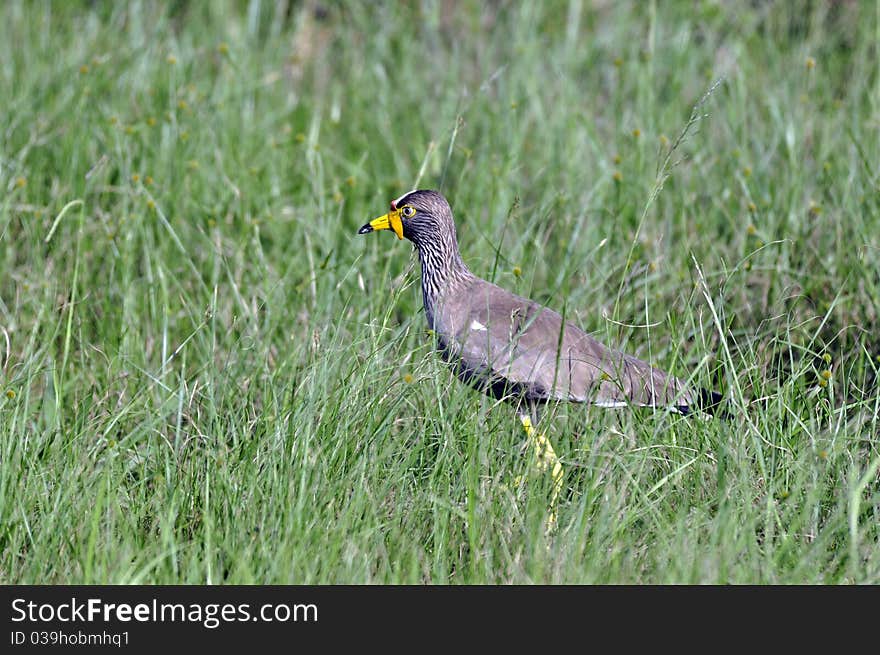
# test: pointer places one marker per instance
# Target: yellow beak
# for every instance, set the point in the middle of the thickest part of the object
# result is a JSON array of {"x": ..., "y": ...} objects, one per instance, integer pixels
[{"x": 390, "y": 221}]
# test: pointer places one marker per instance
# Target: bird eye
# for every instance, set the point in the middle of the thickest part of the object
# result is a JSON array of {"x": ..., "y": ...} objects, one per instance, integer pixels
[{"x": 408, "y": 211}]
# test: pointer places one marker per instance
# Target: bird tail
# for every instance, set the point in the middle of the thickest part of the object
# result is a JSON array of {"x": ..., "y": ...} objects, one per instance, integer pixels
[{"x": 707, "y": 402}]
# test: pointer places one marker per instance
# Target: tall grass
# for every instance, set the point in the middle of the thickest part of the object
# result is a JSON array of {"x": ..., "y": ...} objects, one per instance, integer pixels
[{"x": 206, "y": 375}]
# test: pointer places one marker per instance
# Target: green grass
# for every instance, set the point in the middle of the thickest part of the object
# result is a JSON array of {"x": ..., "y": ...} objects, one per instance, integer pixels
[{"x": 206, "y": 376}]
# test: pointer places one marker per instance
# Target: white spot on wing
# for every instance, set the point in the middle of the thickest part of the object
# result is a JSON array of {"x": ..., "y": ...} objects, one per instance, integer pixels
[
  {"x": 476, "y": 325},
  {"x": 611, "y": 404}
]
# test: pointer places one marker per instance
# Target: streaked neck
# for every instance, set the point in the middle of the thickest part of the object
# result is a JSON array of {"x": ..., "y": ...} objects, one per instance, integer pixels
[{"x": 443, "y": 271}]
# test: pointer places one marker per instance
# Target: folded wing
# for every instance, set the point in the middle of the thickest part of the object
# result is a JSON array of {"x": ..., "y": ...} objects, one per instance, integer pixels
[{"x": 506, "y": 344}]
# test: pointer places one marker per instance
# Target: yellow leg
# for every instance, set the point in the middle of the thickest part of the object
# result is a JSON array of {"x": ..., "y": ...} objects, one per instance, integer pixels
[{"x": 545, "y": 459}]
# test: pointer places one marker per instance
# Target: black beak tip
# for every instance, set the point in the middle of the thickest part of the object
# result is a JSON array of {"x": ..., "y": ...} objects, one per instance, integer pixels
[{"x": 366, "y": 229}]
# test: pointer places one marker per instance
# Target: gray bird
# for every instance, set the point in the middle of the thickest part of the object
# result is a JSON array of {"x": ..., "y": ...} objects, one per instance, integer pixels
[{"x": 513, "y": 348}]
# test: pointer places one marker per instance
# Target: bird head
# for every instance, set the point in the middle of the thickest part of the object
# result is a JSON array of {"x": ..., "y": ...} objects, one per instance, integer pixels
[{"x": 417, "y": 215}]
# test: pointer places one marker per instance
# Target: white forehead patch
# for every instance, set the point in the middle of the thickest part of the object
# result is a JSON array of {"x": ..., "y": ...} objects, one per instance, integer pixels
[
  {"x": 476, "y": 325},
  {"x": 396, "y": 203}
]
